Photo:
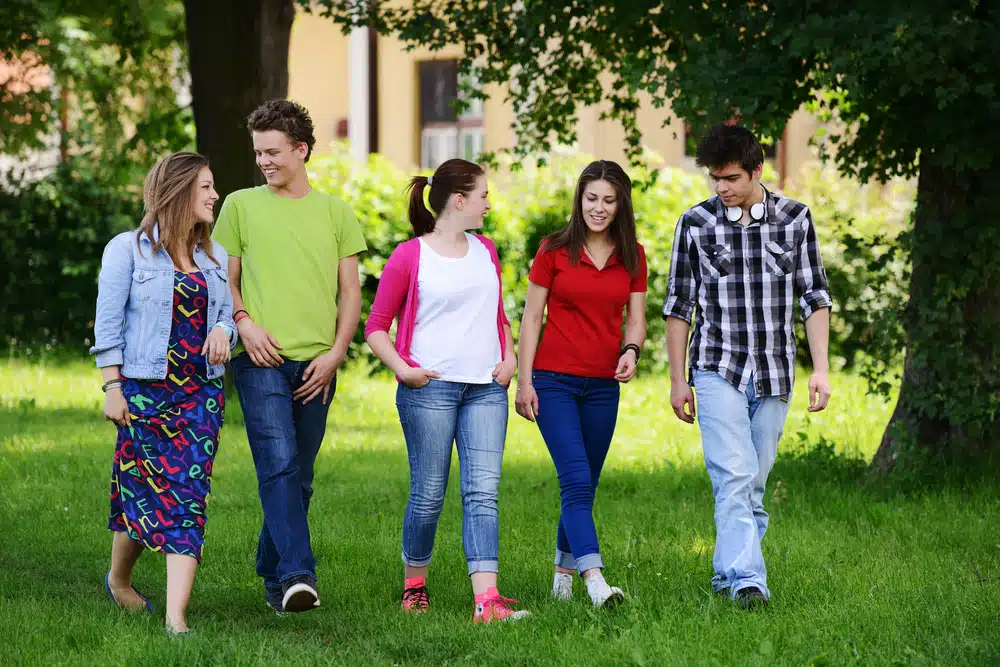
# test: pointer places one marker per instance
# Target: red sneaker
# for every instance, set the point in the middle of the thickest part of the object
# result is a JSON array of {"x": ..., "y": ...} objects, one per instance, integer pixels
[
  {"x": 416, "y": 600},
  {"x": 495, "y": 607}
]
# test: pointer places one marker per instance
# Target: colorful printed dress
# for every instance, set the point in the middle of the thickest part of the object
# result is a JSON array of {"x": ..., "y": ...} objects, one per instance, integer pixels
[{"x": 163, "y": 462}]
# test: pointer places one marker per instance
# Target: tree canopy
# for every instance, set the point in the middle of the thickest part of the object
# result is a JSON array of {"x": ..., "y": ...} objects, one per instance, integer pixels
[{"x": 911, "y": 85}]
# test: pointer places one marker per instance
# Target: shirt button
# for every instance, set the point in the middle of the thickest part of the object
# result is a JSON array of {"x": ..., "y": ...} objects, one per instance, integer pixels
[{"x": 213, "y": 302}]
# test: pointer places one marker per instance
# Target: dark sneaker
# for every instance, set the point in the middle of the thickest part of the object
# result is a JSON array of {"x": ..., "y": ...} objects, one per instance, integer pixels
[
  {"x": 750, "y": 598},
  {"x": 299, "y": 593},
  {"x": 416, "y": 600},
  {"x": 274, "y": 596}
]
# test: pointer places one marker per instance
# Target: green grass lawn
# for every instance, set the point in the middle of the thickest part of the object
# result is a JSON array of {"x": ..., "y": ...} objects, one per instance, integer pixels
[{"x": 859, "y": 576}]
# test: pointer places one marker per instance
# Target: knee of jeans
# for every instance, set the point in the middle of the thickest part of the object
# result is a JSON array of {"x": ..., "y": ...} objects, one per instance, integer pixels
[
  {"x": 481, "y": 498},
  {"x": 274, "y": 465},
  {"x": 427, "y": 499},
  {"x": 578, "y": 490},
  {"x": 737, "y": 486}
]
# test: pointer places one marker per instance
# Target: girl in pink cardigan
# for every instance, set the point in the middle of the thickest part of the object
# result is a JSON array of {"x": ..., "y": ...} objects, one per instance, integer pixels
[{"x": 454, "y": 358}]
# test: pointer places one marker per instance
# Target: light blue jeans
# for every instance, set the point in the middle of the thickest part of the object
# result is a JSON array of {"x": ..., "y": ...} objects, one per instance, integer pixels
[
  {"x": 740, "y": 433},
  {"x": 474, "y": 417}
]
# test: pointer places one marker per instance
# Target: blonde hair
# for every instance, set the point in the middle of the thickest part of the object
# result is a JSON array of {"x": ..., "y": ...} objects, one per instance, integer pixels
[{"x": 168, "y": 194}]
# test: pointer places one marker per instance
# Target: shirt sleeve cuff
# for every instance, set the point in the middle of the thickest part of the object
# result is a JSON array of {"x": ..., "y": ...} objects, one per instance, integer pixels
[
  {"x": 230, "y": 332},
  {"x": 679, "y": 308},
  {"x": 112, "y": 357},
  {"x": 813, "y": 301}
]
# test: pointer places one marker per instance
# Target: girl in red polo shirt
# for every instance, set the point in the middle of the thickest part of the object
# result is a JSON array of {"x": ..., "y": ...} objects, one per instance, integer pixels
[{"x": 586, "y": 275}]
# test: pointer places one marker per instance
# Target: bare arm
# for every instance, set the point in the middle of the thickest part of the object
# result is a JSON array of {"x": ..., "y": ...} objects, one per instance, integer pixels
[
  {"x": 235, "y": 274},
  {"x": 526, "y": 401},
  {"x": 349, "y": 306},
  {"x": 259, "y": 344},
  {"x": 680, "y": 391},
  {"x": 818, "y": 335},
  {"x": 635, "y": 334}
]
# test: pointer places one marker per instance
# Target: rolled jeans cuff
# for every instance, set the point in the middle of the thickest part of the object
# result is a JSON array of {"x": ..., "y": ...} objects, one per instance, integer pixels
[
  {"x": 589, "y": 562},
  {"x": 415, "y": 562},
  {"x": 565, "y": 560},
  {"x": 483, "y": 566}
]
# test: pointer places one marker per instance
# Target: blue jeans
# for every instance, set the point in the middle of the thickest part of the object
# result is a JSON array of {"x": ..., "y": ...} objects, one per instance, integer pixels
[
  {"x": 284, "y": 436},
  {"x": 577, "y": 417},
  {"x": 474, "y": 416},
  {"x": 740, "y": 433}
]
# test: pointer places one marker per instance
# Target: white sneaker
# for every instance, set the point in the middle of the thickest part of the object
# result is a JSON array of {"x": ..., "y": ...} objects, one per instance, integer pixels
[
  {"x": 602, "y": 595},
  {"x": 562, "y": 586}
]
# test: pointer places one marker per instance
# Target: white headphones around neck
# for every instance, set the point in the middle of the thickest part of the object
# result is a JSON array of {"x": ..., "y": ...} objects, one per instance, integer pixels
[{"x": 757, "y": 211}]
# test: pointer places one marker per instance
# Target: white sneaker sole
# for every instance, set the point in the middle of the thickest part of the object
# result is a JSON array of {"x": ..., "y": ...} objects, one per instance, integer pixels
[{"x": 300, "y": 597}]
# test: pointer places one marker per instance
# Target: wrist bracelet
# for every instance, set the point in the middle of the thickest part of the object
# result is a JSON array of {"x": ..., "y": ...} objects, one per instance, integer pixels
[
  {"x": 630, "y": 346},
  {"x": 110, "y": 384},
  {"x": 241, "y": 315}
]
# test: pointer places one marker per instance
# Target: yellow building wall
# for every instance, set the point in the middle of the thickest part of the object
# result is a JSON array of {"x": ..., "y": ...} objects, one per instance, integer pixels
[{"x": 317, "y": 73}]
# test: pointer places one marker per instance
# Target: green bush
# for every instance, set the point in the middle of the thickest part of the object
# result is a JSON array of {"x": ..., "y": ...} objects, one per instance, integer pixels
[
  {"x": 52, "y": 235},
  {"x": 858, "y": 228}
]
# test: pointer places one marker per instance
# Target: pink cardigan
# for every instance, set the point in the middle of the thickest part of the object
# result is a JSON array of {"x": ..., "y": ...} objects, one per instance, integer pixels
[{"x": 397, "y": 296}]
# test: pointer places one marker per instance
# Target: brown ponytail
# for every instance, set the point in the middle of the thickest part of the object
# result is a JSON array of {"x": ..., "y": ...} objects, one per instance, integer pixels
[{"x": 455, "y": 175}]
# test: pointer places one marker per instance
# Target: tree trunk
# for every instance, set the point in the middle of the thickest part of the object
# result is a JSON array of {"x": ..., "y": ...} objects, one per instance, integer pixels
[
  {"x": 238, "y": 52},
  {"x": 948, "y": 413}
]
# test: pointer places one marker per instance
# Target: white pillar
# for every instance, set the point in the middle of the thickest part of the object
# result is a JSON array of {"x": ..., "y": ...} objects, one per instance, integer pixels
[{"x": 357, "y": 86}]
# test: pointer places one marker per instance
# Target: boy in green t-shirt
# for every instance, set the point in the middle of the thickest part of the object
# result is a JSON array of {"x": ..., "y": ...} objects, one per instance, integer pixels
[{"x": 292, "y": 251}]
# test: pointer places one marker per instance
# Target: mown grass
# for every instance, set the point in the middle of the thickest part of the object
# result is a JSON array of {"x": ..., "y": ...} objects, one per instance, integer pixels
[{"x": 858, "y": 576}]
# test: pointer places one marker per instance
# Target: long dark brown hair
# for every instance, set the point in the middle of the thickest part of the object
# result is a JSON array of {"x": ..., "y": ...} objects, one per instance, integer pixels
[
  {"x": 622, "y": 228},
  {"x": 455, "y": 175},
  {"x": 168, "y": 194}
]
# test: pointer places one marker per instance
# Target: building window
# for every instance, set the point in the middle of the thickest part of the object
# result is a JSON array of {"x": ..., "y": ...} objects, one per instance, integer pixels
[{"x": 443, "y": 133}]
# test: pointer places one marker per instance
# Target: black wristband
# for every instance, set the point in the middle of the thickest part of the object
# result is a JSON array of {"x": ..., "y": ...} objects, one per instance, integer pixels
[{"x": 630, "y": 346}]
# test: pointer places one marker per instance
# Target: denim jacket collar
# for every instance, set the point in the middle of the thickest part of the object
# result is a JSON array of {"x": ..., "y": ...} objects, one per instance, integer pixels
[{"x": 201, "y": 258}]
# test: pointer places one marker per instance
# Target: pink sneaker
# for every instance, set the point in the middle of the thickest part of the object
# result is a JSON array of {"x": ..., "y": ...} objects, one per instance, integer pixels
[
  {"x": 491, "y": 606},
  {"x": 416, "y": 600}
]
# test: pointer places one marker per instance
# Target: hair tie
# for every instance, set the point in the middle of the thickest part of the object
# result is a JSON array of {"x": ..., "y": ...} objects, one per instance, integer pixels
[{"x": 430, "y": 179}]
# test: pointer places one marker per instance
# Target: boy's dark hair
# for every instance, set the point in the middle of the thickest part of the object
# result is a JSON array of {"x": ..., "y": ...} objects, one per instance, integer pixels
[
  {"x": 724, "y": 144},
  {"x": 286, "y": 116}
]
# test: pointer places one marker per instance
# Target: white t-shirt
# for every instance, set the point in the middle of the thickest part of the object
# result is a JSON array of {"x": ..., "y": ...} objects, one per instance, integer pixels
[{"x": 455, "y": 332}]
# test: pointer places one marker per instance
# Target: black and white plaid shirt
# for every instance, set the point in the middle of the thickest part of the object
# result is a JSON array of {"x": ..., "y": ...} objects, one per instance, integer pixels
[{"x": 744, "y": 281}]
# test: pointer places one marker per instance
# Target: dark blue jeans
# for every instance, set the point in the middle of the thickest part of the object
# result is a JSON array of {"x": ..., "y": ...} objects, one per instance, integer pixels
[
  {"x": 284, "y": 436},
  {"x": 577, "y": 416}
]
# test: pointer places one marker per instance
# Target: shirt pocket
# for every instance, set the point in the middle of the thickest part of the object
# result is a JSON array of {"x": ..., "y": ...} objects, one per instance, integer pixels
[
  {"x": 143, "y": 289},
  {"x": 779, "y": 258},
  {"x": 717, "y": 259}
]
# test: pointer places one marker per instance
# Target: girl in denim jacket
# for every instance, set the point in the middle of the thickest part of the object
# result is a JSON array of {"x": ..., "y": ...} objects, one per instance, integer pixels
[{"x": 163, "y": 331}]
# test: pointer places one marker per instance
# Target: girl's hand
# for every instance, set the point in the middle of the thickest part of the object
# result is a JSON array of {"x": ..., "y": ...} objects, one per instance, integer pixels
[
  {"x": 216, "y": 346},
  {"x": 116, "y": 407}
]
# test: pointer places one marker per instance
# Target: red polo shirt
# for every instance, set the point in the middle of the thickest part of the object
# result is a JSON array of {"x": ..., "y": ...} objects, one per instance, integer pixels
[{"x": 583, "y": 328}]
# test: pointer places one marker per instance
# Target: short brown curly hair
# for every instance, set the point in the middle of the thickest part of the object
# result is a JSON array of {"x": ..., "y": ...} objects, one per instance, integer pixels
[{"x": 286, "y": 116}]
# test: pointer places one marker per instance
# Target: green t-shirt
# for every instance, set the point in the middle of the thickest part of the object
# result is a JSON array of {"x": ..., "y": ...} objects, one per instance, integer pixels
[{"x": 290, "y": 250}]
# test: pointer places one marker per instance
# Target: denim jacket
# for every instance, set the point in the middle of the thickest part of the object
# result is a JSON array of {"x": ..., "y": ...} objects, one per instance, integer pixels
[{"x": 135, "y": 305}]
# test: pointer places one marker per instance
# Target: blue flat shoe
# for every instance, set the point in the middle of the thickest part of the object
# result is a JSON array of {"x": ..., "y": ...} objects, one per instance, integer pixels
[{"x": 107, "y": 587}]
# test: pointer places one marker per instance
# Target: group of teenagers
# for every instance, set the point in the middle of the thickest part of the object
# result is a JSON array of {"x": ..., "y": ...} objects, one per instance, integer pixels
[{"x": 272, "y": 285}]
